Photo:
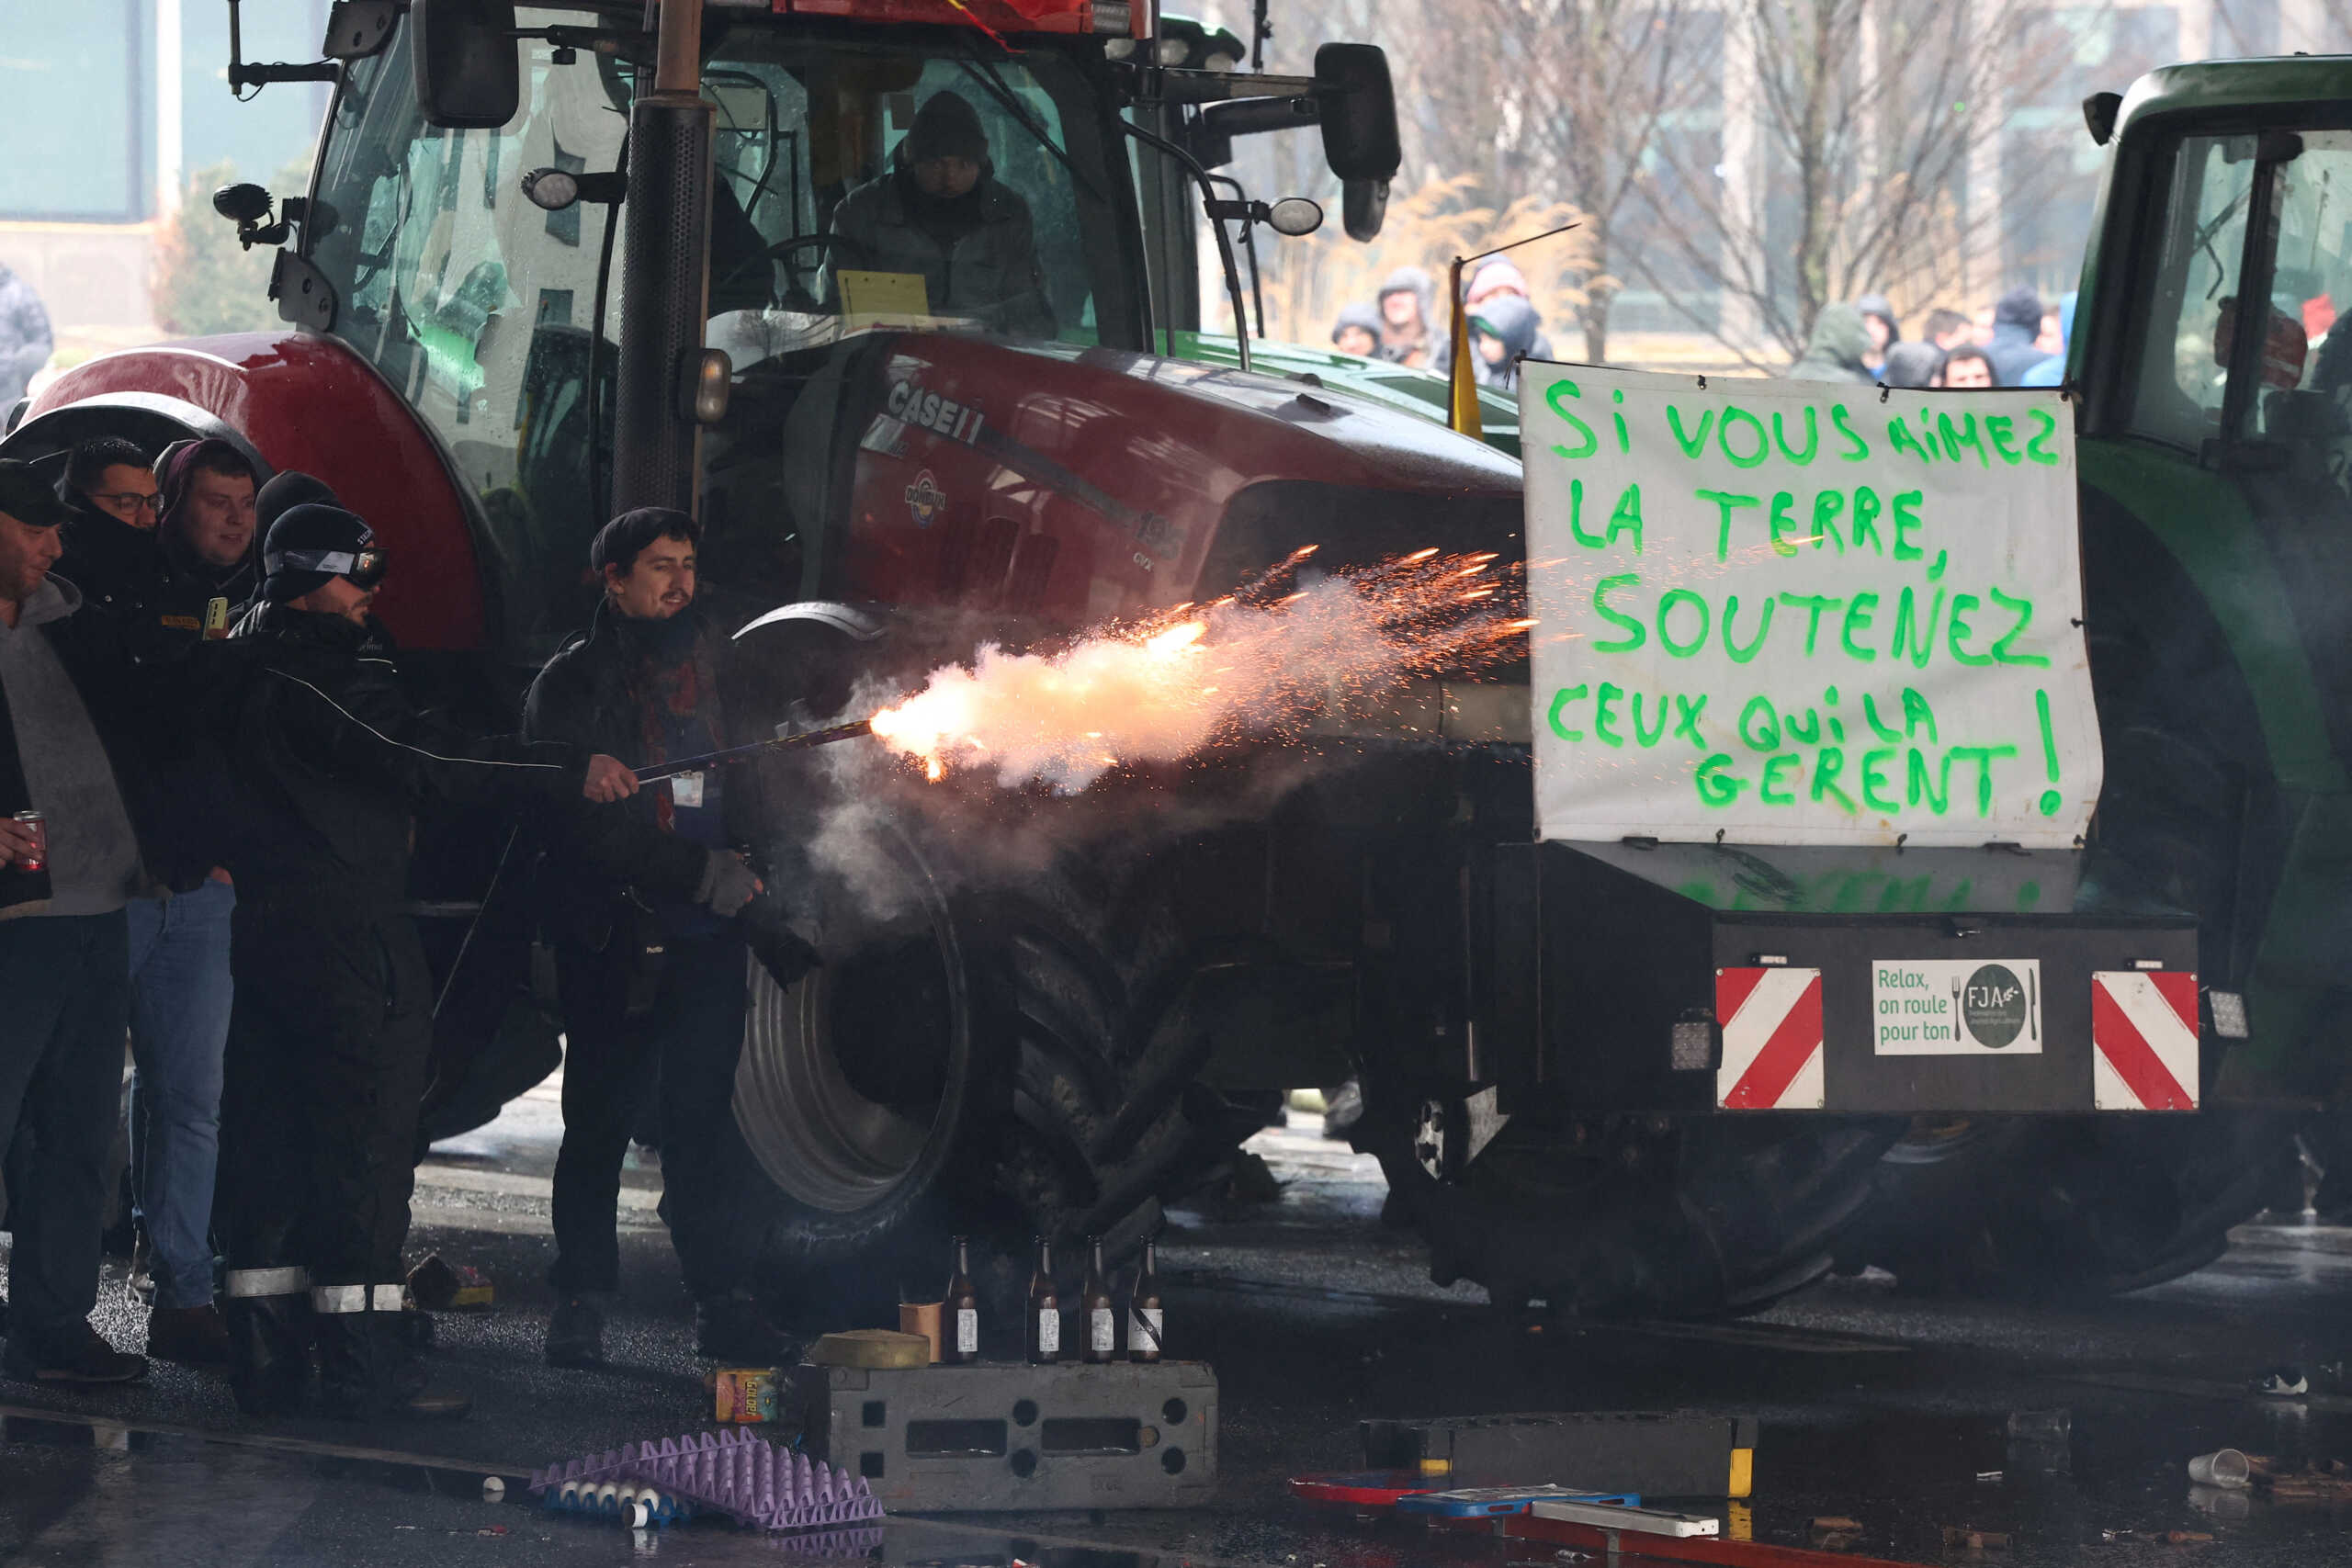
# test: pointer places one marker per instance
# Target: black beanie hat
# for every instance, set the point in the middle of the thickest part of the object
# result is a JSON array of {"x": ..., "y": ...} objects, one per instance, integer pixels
[
  {"x": 290, "y": 489},
  {"x": 946, "y": 127},
  {"x": 309, "y": 530}
]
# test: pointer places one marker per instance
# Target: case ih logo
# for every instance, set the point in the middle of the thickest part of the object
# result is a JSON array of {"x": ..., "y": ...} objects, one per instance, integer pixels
[{"x": 926, "y": 500}]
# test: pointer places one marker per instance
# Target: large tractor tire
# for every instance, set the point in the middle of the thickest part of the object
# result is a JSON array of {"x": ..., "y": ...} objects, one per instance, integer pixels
[
  {"x": 1003, "y": 1063},
  {"x": 1631, "y": 1216},
  {"x": 2089, "y": 1205},
  {"x": 2067, "y": 1207}
]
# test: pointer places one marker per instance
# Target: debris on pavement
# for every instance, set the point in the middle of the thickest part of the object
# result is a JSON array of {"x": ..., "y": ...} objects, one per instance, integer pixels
[
  {"x": 2327, "y": 1480},
  {"x": 1834, "y": 1532},
  {"x": 2284, "y": 1382},
  {"x": 730, "y": 1473},
  {"x": 742, "y": 1394},
  {"x": 1963, "y": 1538},
  {"x": 439, "y": 1285},
  {"x": 2158, "y": 1538},
  {"x": 494, "y": 1489},
  {"x": 2223, "y": 1467},
  {"x": 874, "y": 1349}
]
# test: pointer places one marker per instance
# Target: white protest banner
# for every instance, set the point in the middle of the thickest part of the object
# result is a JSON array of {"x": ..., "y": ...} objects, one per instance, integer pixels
[{"x": 1805, "y": 613}]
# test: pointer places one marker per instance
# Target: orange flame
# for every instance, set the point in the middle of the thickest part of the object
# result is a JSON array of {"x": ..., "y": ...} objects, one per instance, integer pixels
[{"x": 1261, "y": 663}]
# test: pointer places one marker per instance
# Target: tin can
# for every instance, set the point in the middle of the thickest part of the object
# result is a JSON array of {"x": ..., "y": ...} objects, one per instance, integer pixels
[{"x": 39, "y": 859}]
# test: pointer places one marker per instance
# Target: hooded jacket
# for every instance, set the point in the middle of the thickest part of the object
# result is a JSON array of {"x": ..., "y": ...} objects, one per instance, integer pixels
[
  {"x": 25, "y": 339},
  {"x": 2017, "y": 323},
  {"x": 1401, "y": 349},
  {"x": 1364, "y": 316},
  {"x": 1510, "y": 319},
  {"x": 1882, "y": 308},
  {"x": 1914, "y": 364},
  {"x": 337, "y": 760},
  {"x": 1838, "y": 345},
  {"x": 139, "y": 723},
  {"x": 1499, "y": 276},
  {"x": 2052, "y": 372},
  {"x": 977, "y": 254},
  {"x": 199, "y": 582}
]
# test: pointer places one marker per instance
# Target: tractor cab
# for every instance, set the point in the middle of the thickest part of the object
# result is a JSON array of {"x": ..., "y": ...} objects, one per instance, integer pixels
[{"x": 476, "y": 253}]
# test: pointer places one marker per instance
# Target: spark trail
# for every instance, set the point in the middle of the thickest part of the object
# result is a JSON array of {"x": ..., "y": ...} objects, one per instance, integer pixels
[{"x": 1261, "y": 662}]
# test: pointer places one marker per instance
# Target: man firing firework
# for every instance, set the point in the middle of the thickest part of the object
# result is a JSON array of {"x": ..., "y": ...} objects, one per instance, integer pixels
[{"x": 646, "y": 906}]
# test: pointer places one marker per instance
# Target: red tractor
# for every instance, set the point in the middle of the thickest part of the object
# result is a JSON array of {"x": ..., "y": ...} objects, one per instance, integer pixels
[{"x": 551, "y": 264}]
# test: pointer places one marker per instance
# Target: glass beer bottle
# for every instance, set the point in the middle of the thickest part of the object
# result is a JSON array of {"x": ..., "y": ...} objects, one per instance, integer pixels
[
  {"x": 1144, "y": 1318},
  {"x": 962, "y": 1312},
  {"x": 1094, "y": 1301},
  {"x": 1044, "y": 1327}
]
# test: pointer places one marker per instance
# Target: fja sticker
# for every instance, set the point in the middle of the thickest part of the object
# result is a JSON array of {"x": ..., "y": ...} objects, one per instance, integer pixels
[{"x": 1967, "y": 1007}]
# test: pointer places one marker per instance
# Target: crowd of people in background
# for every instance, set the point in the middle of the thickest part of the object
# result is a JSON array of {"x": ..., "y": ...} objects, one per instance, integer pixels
[
  {"x": 2018, "y": 340},
  {"x": 1401, "y": 326}
]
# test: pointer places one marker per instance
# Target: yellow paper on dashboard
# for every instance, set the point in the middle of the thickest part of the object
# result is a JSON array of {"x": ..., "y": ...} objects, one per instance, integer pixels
[{"x": 883, "y": 293}]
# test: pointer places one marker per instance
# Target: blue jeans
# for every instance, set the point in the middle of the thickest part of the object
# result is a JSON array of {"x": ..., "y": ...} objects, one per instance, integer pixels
[
  {"x": 179, "y": 1026},
  {"x": 61, "y": 1087}
]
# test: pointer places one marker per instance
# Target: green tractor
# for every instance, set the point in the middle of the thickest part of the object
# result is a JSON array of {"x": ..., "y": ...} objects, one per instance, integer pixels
[{"x": 2216, "y": 484}]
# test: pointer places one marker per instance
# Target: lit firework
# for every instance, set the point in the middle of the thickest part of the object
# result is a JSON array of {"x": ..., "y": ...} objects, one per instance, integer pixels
[{"x": 1261, "y": 663}]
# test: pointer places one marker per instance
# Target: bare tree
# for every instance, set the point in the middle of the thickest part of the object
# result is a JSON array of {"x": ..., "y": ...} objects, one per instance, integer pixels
[
  {"x": 1868, "y": 120},
  {"x": 1585, "y": 86}
]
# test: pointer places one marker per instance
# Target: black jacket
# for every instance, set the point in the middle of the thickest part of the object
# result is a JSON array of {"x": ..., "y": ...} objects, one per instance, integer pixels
[
  {"x": 142, "y": 723},
  {"x": 337, "y": 760},
  {"x": 582, "y": 698},
  {"x": 145, "y": 581}
]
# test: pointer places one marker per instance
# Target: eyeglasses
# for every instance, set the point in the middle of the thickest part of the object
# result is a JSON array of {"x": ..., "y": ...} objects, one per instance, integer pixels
[{"x": 129, "y": 501}]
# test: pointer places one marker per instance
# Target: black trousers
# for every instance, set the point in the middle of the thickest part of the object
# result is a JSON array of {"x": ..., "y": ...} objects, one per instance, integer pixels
[
  {"x": 326, "y": 1066},
  {"x": 684, "y": 1050},
  {"x": 64, "y": 983}
]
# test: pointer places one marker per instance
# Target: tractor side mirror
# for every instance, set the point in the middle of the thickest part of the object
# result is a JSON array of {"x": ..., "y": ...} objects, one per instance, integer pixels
[
  {"x": 1363, "y": 204},
  {"x": 469, "y": 63},
  {"x": 1356, "y": 104}
]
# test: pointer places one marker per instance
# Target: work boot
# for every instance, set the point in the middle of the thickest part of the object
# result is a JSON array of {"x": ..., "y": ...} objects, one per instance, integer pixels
[
  {"x": 734, "y": 1328},
  {"x": 194, "y": 1337},
  {"x": 576, "y": 1333},
  {"x": 368, "y": 1370},
  {"x": 78, "y": 1356},
  {"x": 269, "y": 1351}
]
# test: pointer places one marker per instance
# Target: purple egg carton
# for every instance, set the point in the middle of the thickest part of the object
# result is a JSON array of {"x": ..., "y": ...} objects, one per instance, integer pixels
[{"x": 735, "y": 1473}]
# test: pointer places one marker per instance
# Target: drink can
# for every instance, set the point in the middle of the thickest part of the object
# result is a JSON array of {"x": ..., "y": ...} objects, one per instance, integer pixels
[{"x": 37, "y": 860}]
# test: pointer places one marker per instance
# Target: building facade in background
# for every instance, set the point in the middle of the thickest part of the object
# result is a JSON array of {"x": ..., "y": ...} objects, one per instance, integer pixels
[{"x": 111, "y": 106}]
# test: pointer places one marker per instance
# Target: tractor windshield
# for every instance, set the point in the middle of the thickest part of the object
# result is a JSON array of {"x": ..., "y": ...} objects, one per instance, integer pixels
[
  {"x": 2241, "y": 219},
  {"x": 495, "y": 317}
]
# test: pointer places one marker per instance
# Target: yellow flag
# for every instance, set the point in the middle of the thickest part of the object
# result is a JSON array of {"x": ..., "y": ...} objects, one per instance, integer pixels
[{"x": 1462, "y": 379}]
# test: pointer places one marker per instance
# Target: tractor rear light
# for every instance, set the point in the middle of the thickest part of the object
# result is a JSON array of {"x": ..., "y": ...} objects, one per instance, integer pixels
[
  {"x": 2228, "y": 1013},
  {"x": 1115, "y": 17},
  {"x": 1171, "y": 53},
  {"x": 1692, "y": 1049}
]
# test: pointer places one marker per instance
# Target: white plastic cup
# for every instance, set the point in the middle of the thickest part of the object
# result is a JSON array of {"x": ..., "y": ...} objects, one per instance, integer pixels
[
  {"x": 493, "y": 1490},
  {"x": 2223, "y": 1467}
]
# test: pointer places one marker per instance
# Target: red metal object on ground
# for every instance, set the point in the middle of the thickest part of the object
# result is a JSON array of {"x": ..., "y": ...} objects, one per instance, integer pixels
[
  {"x": 307, "y": 402},
  {"x": 1637, "y": 1545}
]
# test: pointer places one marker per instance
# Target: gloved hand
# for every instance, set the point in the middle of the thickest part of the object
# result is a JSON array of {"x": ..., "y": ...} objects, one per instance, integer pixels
[
  {"x": 727, "y": 885},
  {"x": 780, "y": 950}
]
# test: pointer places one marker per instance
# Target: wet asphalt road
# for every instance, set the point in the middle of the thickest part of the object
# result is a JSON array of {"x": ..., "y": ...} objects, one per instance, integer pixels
[{"x": 1884, "y": 1409}]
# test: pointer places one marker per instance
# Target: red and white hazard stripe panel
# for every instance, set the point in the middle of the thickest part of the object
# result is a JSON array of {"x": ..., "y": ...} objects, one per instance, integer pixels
[
  {"x": 1772, "y": 1019},
  {"x": 2143, "y": 1039}
]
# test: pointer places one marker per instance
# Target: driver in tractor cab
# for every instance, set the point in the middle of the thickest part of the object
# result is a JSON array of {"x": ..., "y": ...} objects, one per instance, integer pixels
[{"x": 940, "y": 212}]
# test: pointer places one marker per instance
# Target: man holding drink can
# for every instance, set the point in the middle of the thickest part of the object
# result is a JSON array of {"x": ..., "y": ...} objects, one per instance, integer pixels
[{"x": 71, "y": 778}]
